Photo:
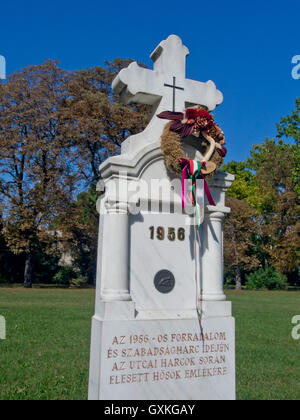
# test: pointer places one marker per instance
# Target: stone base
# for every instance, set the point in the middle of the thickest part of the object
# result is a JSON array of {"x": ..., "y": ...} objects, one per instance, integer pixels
[{"x": 166, "y": 359}]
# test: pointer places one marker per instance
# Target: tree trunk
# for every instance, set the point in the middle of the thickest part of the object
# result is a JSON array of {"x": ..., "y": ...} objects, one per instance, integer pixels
[
  {"x": 238, "y": 279},
  {"x": 28, "y": 271}
]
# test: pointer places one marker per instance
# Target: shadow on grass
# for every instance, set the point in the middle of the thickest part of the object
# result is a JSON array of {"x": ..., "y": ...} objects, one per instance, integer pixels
[{"x": 47, "y": 286}]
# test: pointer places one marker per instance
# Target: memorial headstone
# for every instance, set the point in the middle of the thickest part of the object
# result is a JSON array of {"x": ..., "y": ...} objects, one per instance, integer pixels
[{"x": 162, "y": 328}]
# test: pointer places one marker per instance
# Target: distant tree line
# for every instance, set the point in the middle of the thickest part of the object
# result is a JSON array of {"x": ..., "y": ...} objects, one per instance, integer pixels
[
  {"x": 262, "y": 231},
  {"x": 57, "y": 127}
]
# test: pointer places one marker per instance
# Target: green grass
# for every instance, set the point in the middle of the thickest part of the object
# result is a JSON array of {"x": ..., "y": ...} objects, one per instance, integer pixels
[
  {"x": 46, "y": 354},
  {"x": 267, "y": 358}
]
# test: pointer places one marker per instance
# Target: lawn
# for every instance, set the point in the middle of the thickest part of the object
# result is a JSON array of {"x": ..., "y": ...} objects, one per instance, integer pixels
[
  {"x": 267, "y": 358},
  {"x": 46, "y": 353}
]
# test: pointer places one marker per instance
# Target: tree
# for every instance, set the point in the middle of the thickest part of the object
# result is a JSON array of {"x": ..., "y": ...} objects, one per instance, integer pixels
[
  {"x": 98, "y": 122},
  {"x": 289, "y": 126},
  {"x": 80, "y": 234},
  {"x": 37, "y": 178},
  {"x": 9, "y": 263},
  {"x": 56, "y": 128},
  {"x": 97, "y": 125},
  {"x": 240, "y": 230},
  {"x": 277, "y": 168},
  {"x": 246, "y": 186},
  {"x": 269, "y": 182}
]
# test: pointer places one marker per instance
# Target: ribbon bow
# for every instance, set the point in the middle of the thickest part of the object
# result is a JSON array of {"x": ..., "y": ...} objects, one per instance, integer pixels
[{"x": 191, "y": 169}]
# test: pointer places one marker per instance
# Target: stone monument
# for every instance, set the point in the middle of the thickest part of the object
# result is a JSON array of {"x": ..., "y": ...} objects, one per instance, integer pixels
[{"x": 154, "y": 267}]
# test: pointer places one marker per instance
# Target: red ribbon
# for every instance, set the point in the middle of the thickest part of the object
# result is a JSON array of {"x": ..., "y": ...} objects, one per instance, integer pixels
[{"x": 186, "y": 164}]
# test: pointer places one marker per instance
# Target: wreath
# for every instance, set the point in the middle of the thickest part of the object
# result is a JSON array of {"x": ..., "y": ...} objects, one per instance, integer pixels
[{"x": 197, "y": 122}]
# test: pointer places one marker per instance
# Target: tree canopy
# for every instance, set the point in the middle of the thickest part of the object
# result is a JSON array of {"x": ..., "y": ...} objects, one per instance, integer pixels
[
  {"x": 268, "y": 182},
  {"x": 57, "y": 127}
]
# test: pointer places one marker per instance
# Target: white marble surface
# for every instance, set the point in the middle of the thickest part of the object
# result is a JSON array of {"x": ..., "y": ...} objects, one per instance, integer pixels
[
  {"x": 163, "y": 360},
  {"x": 146, "y": 86},
  {"x": 127, "y": 303},
  {"x": 125, "y": 236},
  {"x": 149, "y": 256}
]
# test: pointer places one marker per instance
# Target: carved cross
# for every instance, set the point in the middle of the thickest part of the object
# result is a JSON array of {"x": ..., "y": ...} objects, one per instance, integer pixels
[
  {"x": 174, "y": 87},
  {"x": 152, "y": 87}
]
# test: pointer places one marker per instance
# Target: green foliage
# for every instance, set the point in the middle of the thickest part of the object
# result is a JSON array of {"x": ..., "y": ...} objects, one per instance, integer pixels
[
  {"x": 9, "y": 262},
  {"x": 272, "y": 168},
  {"x": 289, "y": 126},
  {"x": 268, "y": 181},
  {"x": 86, "y": 202},
  {"x": 64, "y": 276},
  {"x": 266, "y": 279},
  {"x": 229, "y": 279},
  {"x": 245, "y": 186},
  {"x": 296, "y": 169},
  {"x": 273, "y": 162},
  {"x": 44, "y": 264},
  {"x": 80, "y": 232},
  {"x": 86, "y": 233},
  {"x": 11, "y": 267}
]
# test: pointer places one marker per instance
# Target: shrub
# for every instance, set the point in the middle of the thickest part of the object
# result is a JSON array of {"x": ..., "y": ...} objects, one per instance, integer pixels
[
  {"x": 267, "y": 278},
  {"x": 65, "y": 275},
  {"x": 229, "y": 279}
]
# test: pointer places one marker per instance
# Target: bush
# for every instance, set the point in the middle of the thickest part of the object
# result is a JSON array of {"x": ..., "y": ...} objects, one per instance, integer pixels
[
  {"x": 266, "y": 279},
  {"x": 65, "y": 275},
  {"x": 229, "y": 279}
]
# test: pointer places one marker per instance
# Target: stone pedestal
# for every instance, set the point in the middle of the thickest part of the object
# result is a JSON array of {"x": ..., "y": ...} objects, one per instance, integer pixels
[{"x": 163, "y": 360}]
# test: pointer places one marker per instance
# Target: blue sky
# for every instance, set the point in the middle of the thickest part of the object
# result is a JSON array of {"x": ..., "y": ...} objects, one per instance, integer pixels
[{"x": 245, "y": 47}]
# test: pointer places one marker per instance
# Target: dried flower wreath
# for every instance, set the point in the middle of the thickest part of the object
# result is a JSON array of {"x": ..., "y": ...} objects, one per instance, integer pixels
[{"x": 197, "y": 122}]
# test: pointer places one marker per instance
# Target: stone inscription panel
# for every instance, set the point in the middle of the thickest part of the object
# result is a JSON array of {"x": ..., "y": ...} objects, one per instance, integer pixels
[{"x": 171, "y": 359}]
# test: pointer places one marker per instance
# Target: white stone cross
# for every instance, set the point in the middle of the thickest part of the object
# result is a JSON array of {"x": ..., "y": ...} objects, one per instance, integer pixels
[{"x": 165, "y": 87}]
